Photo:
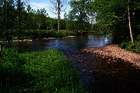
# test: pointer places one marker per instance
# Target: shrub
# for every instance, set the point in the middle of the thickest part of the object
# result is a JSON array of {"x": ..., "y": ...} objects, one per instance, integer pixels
[
  {"x": 132, "y": 47},
  {"x": 62, "y": 33}
]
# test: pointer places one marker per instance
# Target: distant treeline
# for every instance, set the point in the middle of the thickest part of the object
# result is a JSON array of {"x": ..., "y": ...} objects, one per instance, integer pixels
[
  {"x": 17, "y": 19},
  {"x": 99, "y": 16}
]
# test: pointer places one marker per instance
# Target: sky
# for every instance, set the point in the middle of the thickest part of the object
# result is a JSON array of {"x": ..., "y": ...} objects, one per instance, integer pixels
[{"x": 38, "y": 4}]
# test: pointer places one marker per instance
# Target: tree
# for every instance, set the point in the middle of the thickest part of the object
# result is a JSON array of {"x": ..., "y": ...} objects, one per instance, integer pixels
[
  {"x": 129, "y": 21},
  {"x": 112, "y": 17},
  {"x": 20, "y": 9},
  {"x": 81, "y": 12},
  {"x": 117, "y": 16},
  {"x": 58, "y": 7},
  {"x": 8, "y": 18},
  {"x": 42, "y": 15},
  {"x": 21, "y": 17},
  {"x": 29, "y": 9}
]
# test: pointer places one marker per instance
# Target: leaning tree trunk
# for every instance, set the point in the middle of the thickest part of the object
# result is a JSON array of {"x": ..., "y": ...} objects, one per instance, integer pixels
[{"x": 129, "y": 23}]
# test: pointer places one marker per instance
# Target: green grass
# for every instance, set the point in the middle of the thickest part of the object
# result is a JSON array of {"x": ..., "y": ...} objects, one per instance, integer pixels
[{"x": 38, "y": 72}]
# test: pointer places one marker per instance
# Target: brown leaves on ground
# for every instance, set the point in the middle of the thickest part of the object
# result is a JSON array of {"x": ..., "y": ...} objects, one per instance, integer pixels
[{"x": 113, "y": 52}]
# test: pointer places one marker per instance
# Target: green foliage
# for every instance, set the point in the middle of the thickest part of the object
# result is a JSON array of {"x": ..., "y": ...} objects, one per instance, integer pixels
[
  {"x": 38, "y": 72},
  {"x": 12, "y": 75},
  {"x": 62, "y": 33},
  {"x": 127, "y": 45},
  {"x": 79, "y": 10},
  {"x": 131, "y": 47},
  {"x": 80, "y": 15},
  {"x": 112, "y": 16},
  {"x": 17, "y": 21},
  {"x": 45, "y": 33},
  {"x": 11, "y": 61}
]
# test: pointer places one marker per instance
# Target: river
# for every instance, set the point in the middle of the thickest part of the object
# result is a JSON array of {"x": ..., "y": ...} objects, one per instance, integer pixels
[{"x": 65, "y": 44}]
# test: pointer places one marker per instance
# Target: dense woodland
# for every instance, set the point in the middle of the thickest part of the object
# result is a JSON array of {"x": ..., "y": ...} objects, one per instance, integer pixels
[
  {"x": 107, "y": 17},
  {"x": 19, "y": 19}
]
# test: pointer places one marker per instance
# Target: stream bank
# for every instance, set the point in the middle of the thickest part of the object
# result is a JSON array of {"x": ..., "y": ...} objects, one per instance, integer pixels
[
  {"x": 97, "y": 75},
  {"x": 102, "y": 75}
]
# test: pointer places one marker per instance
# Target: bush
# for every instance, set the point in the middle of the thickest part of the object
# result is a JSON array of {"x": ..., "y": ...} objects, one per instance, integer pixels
[
  {"x": 43, "y": 33},
  {"x": 127, "y": 45},
  {"x": 62, "y": 33},
  {"x": 132, "y": 47}
]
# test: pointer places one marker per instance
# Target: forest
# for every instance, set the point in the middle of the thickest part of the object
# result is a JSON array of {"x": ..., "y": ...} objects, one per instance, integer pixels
[
  {"x": 44, "y": 54},
  {"x": 18, "y": 18}
]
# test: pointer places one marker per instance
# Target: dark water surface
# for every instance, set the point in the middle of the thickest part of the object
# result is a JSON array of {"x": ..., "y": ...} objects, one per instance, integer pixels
[{"x": 65, "y": 44}]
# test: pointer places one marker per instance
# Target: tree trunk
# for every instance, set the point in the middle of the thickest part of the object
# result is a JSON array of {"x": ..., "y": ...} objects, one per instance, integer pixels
[
  {"x": 58, "y": 13},
  {"x": 129, "y": 24},
  {"x": 1, "y": 52},
  {"x": 6, "y": 15},
  {"x": 58, "y": 28}
]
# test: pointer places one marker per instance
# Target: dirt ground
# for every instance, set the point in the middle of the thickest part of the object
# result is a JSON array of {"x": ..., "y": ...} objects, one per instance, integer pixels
[{"x": 109, "y": 70}]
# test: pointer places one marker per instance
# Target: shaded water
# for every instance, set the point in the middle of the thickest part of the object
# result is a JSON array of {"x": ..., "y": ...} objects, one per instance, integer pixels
[{"x": 65, "y": 44}]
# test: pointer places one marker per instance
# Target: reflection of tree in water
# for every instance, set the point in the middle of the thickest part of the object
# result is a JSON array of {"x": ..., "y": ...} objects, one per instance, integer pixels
[
  {"x": 71, "y": 44},
  {"x": 82, "y": 42},
  {"x": 23, "y": 46},
  {"x": 77, "y": 43}
]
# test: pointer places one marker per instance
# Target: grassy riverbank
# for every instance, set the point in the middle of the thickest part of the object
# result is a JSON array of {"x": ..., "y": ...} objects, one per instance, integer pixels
[{"x": 37, "y": 72}]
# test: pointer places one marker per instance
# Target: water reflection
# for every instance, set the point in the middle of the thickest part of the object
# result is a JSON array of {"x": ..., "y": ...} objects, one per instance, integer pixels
[
  {"x": 96, "y": 41},
  {"x": 71, "y": 43}
]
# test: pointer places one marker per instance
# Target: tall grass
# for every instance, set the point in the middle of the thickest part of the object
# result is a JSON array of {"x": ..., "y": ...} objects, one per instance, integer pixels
[{"x": 38, "y": 72}]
